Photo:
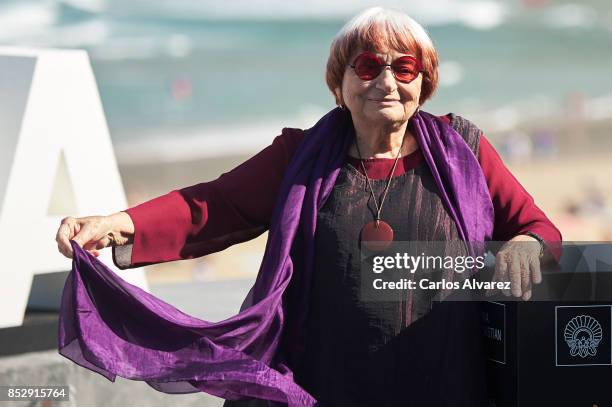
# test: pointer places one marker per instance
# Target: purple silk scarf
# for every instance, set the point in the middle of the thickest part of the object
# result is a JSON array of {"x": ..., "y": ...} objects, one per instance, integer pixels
[{"x": 116, "y": 329}]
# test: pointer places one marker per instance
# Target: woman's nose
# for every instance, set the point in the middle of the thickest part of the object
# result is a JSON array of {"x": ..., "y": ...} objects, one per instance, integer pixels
[{"x": 386, "y": 81}]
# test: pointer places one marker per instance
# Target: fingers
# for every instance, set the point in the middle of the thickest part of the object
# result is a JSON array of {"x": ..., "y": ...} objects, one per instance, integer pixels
[
  {"x": 526, "y": 280},
  {"x": 518, "y": 263},
  {"x": 501, "y": 271},
  {"x": 525, "y": 276},
  {"x": 84, "y": 235},
  {"x": 94, "y": 247},
  {"x": 515, "y": 275},
  {"x": 536, "y": 273},
  {"x": 64, "y": 233},
  {"x": 63, "y": 242},
  {"x": 526, "y": 295},
  {"x": 91, "y": 233}
]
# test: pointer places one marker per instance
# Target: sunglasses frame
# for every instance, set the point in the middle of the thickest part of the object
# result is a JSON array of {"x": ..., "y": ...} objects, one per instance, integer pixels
[{"x": 382, "y": 66}]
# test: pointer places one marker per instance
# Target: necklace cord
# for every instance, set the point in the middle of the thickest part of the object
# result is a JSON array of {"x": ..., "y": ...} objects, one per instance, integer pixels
[{"x": 384, "y": 195}]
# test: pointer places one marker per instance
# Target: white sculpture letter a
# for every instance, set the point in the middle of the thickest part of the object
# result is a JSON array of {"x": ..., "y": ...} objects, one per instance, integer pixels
[{"x": 56, "y": 160}]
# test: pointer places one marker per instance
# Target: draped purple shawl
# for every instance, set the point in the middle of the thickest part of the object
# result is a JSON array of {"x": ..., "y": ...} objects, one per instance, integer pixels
[{"x": 117, "y": 329}]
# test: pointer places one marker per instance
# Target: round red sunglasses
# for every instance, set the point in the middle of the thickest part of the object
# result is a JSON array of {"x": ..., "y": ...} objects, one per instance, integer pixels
[{"x": 368, "y": 66}]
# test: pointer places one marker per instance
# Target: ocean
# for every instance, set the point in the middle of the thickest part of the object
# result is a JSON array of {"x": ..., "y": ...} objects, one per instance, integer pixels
[{"x": 189, "y": 78}]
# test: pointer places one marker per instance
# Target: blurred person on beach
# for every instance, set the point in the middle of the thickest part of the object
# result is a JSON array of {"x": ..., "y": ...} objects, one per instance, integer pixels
[
  {"x": 374, "y": 169},
  {"x": 517, "y": 147},
  {"x": 545, "y": 143}
]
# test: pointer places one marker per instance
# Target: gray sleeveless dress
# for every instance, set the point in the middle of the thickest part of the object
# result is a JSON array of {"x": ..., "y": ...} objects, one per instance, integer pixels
[{"x": 402, "y": 352}]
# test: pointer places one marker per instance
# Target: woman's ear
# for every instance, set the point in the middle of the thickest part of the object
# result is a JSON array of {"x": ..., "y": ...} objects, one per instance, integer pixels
[{"x": 338, "y": 94}]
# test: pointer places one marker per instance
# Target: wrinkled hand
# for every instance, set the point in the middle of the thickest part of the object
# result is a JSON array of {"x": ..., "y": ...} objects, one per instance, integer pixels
[
  {"x": 92, "y": 233},
  {"x": 518, "y": 261}
]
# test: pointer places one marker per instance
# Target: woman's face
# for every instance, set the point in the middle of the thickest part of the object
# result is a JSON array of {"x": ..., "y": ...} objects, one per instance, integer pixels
[{"x": 382, "y": 100}]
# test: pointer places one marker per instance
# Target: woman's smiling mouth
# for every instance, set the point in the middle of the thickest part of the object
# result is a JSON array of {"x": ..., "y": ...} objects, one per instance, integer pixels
[{"x": 384, "y": 101}]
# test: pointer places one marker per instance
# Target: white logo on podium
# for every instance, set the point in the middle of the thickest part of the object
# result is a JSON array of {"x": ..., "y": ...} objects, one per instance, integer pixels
[{"x": 583, "y": 334}]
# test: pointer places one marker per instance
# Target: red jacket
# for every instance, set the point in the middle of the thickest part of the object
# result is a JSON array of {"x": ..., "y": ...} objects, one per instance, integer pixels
[{"x": 211, "y": 216}]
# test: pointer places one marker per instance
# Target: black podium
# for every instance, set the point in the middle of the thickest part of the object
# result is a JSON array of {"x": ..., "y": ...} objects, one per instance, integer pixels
[
  {"x": 548, "y": 353},
  {"x": 555, "y": 350}
]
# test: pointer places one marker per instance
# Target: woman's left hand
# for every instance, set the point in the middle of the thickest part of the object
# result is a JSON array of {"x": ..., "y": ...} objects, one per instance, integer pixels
[{"x": 518, "y": 261}]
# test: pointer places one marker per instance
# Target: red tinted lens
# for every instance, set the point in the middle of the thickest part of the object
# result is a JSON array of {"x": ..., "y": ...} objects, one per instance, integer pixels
[
  {"x": 367, "y": 66},
  {"x": 406, "y": 68}
]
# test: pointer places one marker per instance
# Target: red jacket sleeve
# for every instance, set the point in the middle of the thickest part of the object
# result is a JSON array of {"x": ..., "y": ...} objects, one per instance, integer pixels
[
  {"x": 515, "y": 210},
  {"x": 210, "y": 216}
]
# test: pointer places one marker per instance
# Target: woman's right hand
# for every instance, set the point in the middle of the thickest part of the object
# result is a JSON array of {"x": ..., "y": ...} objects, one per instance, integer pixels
[{"x": 93, "y": 233}]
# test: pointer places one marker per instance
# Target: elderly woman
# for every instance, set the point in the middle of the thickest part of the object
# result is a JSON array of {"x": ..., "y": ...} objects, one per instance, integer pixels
[{"x": 374, "y": 169}]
